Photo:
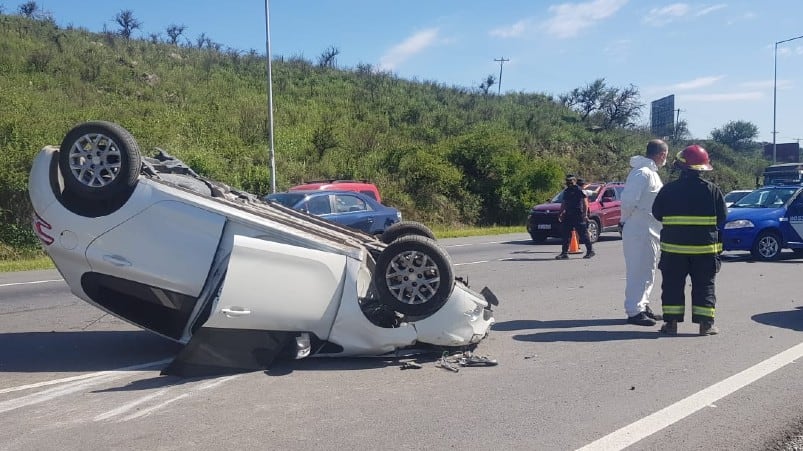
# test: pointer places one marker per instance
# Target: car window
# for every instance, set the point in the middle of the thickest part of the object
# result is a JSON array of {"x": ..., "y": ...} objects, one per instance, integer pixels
[
  {"x": 610, "y": 192},
  {"x": 286, "y": 199},
  {"x": 369, "y": 193},
  {"x": 733, "y": 196},
  {"x": 346, "y": 203},
  {"x": 765, "y": 198},
  {"x": 318, "y": 205}
]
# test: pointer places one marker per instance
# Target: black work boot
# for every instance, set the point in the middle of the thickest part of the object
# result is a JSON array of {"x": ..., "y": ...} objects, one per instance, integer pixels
[
  {"x": 641, "y": 320},
  {"x": 562, "y": 256},
  {"x": 708, "y": 328},
  {"x": 589, "y": 254},
  {"x": 669, "y": 328},
  {"x": 655, "y": 316}
]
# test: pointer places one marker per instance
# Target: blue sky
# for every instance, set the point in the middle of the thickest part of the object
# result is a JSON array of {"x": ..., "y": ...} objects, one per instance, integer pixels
[{"x": 716, "y": 57}]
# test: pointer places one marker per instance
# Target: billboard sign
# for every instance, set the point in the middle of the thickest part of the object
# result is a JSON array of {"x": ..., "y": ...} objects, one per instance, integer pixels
[
  {"x": 784, "y": 153},
  {"x": 662, "y": 117}
]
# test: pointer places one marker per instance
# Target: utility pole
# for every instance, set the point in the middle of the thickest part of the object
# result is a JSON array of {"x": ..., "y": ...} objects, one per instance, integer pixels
[
  {"x": 677, "y": 123},
  {"x": 501, "y": 63}
]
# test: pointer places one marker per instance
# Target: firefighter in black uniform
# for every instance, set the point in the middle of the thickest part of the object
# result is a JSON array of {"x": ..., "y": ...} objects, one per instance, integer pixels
[
  {"x": 691, "y": 210},
  {"x": 573, "y": 215}
]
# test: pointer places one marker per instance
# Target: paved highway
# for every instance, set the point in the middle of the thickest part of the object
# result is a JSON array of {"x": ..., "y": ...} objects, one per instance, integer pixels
[{"x": 571, "y": 372}]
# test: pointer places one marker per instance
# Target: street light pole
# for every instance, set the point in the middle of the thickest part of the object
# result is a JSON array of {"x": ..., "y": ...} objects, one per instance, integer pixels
[
  {"x": 775, "y": 97},
  {"x": 270, "y": 99}
]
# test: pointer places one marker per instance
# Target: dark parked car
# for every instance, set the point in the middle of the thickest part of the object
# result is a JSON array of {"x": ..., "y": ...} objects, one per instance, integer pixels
[
  {"x": 605, "y": 211},
  {"x": 349, "y": 208}
]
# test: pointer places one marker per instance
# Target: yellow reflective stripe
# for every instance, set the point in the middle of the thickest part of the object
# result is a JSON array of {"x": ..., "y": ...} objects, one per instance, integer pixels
[
  {"x": 708, "y": 312},
  {"x": 692, "y": 248},
  {"x": 690, "y": 220},
  {"x": 673, "y": 309}
]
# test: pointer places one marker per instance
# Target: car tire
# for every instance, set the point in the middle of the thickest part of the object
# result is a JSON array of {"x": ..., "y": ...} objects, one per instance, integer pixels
[
  {"x": 99, "y": 161},
  {"x": 767, "y": 246},
  {"x": 406, "y": 228},
  {"x": 414, "y": 276},
  {"x": 593, "y": 230},
  {"x": 539, "y": 238}
]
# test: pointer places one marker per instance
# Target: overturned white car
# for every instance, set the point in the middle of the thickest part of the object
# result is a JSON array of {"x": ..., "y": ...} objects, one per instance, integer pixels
[{"x": 238, "y": 280}]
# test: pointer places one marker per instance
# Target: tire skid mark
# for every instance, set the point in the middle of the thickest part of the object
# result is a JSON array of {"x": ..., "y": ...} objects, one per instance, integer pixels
[
  {"x": 152, "y": 409},
  {"x": 126, "y": 407}
]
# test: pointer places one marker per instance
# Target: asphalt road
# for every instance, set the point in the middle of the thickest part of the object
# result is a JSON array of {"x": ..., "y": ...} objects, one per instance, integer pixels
[{"x": 571, "y": 372}]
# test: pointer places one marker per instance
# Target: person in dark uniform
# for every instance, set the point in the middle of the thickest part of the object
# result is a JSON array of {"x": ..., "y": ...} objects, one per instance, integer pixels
[
  {"x": 691, "y": 210},
  {"x": 573, "y": 215}
]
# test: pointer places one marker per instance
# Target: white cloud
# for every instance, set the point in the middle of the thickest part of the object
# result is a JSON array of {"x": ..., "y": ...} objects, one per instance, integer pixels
[
  {"x": 675, "y": 11},
  {"x": 662, "y": 16},
  {"x": 721, "y": 97},
  {"x": 570, "y": 18},
  {"x": 400, "y": 53},
  {"x": 699, "y": 82},
  {"x": 710, "y": 9},
  {"x": 511, "y": 31}
]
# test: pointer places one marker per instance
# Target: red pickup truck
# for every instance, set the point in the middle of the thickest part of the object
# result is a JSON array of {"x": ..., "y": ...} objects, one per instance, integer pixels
[{"x": 605, "y": 211}]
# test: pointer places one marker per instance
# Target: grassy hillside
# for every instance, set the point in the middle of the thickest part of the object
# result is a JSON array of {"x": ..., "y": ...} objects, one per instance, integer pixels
[{"x": 443, "y": 155}]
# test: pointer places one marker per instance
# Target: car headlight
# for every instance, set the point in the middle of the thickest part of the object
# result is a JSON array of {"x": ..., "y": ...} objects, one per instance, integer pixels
[{"x": 739, "y": 224}]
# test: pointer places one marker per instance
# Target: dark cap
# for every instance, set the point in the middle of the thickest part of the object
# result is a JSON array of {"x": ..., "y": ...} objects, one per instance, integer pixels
[
  {"x": 581, "y": 182},
  {"x": 570, "y": 177}
]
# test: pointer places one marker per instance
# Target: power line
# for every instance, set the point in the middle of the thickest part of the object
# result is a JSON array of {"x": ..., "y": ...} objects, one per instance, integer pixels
[{"x": 501, "y": 63}]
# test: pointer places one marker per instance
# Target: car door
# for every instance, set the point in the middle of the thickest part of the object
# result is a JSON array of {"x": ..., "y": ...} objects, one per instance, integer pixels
[
  {"x": 794, "y": 219},
  {"x": 610, "y": 211}
]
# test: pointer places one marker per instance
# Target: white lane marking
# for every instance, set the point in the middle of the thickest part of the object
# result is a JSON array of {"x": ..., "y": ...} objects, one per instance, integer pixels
[
  {"x": 55, "y": 392},
  {"x": 472, "y": 263},
  {"x": 29, "y": 283},
  {"x": 653, "y": 423},
  {"x": 84, "y": 376},
  {"x": 147, "y": 411},
  {"x": 219, "y": 381},
  {"x": 474, "y": 244},
  {"x": 126, "y": 407}
]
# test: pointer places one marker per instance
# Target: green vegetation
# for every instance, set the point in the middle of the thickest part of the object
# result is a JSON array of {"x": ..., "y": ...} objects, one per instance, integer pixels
[
  {"x": 25, "y": 264},
  {"x": 450, "y": 157}
]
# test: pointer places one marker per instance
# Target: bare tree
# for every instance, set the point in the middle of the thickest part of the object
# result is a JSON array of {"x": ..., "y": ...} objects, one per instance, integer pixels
[
  {"x": 328, "y": 57},
  {"x": 604, "y": 106},
  {"x": 127, "y": 22},
  {"x": 154, "y": 38},
  {"x": 202, "y": 40},
  {"x": 175, "y": 31},
  {"x": 28, "y": 9},
  {"x": 485, "y": 86}
]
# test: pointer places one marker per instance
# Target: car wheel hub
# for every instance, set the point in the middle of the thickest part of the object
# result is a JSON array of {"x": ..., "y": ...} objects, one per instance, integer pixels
[
  {"x": 768, "y": 247},
  {"x": 95, "y": 160},
  {"x": 412, "y": 277}
]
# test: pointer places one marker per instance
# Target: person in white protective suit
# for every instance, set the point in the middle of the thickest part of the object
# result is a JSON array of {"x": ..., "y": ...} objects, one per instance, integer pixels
[{"x": 641, "y": 232}]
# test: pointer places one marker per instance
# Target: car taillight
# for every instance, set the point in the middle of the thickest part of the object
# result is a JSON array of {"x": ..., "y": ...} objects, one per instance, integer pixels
[{"x": 41, "y": 227}]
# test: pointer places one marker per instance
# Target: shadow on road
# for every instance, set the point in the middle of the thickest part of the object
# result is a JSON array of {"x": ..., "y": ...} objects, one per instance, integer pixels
[
  {"x": 521, "y": 324},
  {"x": 790, "y": 319},
  {"x": 81, "y": 351},
  {"x": 595, "y": 336}
]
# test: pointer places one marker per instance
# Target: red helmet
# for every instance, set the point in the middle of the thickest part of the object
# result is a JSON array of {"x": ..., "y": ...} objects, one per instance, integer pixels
[{"x": 694, "y": 158}]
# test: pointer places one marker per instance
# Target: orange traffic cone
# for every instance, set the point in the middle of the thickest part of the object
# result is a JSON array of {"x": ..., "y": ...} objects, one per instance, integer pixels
[{"x": 574, "y": 245}]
